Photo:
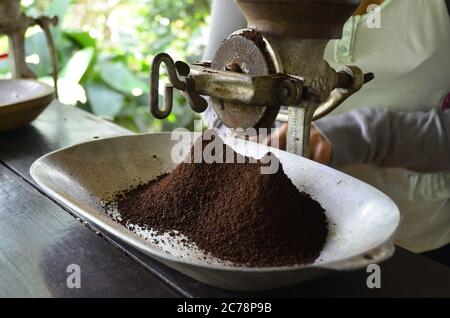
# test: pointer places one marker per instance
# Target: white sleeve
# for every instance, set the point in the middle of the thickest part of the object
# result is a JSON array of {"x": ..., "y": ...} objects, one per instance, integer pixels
[{"x": 417, "y": 140}]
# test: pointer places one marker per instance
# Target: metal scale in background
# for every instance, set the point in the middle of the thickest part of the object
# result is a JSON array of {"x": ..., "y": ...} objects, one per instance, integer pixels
[
  {"x": 23, "y": 98},
  {"x": 276, "y": 62}
]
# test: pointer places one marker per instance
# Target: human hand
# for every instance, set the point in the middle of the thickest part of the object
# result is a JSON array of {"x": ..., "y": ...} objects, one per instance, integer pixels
[{"x": 321, "y": 149}]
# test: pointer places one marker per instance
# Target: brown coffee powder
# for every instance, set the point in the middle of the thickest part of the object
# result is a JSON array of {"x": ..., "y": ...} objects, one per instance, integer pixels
[{"x": 232, "y": 212}]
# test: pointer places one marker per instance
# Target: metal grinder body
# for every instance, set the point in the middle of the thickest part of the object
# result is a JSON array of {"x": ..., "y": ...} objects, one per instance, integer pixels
[{"x": 278, "y": 61}]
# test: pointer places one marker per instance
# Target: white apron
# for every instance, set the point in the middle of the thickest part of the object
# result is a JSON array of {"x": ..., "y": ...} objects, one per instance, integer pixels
[{"x": 410, "y": 56}]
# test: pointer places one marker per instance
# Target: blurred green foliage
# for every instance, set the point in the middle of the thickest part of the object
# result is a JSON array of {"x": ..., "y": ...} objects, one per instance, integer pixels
[{"x": 105, "y": 48}]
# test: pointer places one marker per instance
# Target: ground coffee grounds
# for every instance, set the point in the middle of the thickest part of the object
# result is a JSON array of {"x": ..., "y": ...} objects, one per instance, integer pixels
[{"x": 233, "y": 212}]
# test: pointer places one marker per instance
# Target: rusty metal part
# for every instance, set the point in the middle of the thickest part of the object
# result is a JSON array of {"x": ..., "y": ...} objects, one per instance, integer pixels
[
  {"x": 246, "y": 53},
  {"x": 252, "y": 75},
  {"x": 248, "y": 90},
  {"x": 300, "y": 19},
  {"x": 185, "y": 84},
  {"x": 323, "y": 87},
  {"x": 351, "y": 80},
  {"x": 242, "y": 81},
  {"x": 197, "y": 79},
  {"x": 309, "y": 97}
]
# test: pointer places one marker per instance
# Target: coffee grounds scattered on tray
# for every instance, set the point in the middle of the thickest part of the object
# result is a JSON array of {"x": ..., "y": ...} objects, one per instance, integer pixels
[{"x": 232, "y": 212}]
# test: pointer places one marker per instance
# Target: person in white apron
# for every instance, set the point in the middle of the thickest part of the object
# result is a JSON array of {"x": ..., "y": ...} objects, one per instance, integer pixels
[{"x": 395, "y": 133}]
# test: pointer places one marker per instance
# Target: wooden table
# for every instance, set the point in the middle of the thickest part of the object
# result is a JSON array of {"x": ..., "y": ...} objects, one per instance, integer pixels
[{"x": 39, "y": 238}]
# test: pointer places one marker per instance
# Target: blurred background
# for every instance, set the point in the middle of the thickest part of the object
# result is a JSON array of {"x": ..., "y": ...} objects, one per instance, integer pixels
[{"x": 105, "y": 49}]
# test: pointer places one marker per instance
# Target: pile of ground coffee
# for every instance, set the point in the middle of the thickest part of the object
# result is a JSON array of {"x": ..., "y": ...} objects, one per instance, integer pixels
[{"x": 232, "y": 212}]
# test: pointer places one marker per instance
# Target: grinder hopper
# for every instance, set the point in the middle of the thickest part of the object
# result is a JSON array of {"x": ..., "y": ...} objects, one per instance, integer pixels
[
  {"x": 278, "y": 61},
  {"x": 301, "y": 19}
]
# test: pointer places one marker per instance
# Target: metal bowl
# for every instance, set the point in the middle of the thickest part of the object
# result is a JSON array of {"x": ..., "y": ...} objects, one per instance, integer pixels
[
  {"x": 363, "y": 221},
  {"x": 21, "y": 101},
  {"x": 306, "y": 19}
]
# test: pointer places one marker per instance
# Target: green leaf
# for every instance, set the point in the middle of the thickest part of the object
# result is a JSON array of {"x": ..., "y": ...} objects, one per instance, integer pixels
[
  {"x": 83, "y": 39},
  {"x": 37, "y": 44},
  {"x": 66, "y": 49},
  {"x": 127, "y": 122},
  {"x": 121, "y": 62},
  {"x": 76, "y": 67},
  {"x": 58, "y": 8},
  {"x": 3, "y": 43},
  {"x": 4, "y": 67},
  {"x": 104, "y": 101},
  {"x": 119, "y": 77}
]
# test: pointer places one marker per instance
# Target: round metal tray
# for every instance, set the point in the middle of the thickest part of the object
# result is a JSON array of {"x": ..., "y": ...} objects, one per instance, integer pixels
[
  {"x": 21, "y": 101},
  {"x": 363, "y": 221}
]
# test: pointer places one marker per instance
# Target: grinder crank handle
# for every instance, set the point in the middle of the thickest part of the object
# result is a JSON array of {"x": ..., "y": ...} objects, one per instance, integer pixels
[
  {"x": 185, "y": 84},
  {"x": 351, "y": 80}
]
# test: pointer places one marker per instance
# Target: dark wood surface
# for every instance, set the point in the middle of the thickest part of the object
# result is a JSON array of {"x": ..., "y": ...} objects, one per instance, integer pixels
[{"x": 39, "y": 238}]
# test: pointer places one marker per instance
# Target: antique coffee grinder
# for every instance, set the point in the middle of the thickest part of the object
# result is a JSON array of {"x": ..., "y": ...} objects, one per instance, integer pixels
[
  {"x": 276, "y": 62},
  {"x": 14, "y": 23}
]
